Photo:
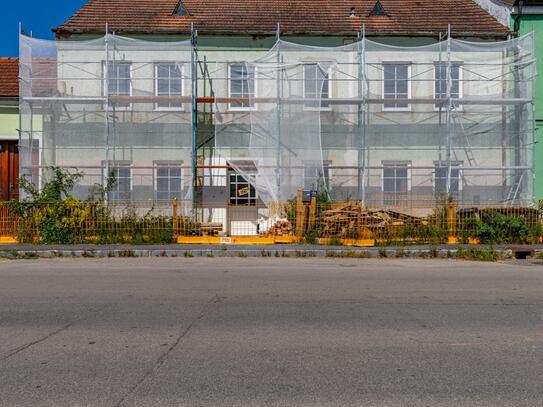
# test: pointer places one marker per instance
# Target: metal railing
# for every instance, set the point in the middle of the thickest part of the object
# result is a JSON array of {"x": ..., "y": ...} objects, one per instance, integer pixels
[{"x": 409, "y": 222}]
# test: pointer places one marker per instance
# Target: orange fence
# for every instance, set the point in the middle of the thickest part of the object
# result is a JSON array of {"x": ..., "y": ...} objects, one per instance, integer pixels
[{"x": 425, "y": 222}]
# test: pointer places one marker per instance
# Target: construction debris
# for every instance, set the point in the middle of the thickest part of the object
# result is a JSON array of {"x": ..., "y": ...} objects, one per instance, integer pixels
[
  {"x": 281, "y": 227},
  {"x": 353, "y": 219}
]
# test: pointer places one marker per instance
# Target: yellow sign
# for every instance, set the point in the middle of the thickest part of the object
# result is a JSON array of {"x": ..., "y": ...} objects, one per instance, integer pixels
[{"x": 243, "y": 191}]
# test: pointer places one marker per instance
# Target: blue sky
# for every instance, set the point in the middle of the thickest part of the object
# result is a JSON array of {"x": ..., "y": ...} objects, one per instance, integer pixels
[{"x": 38, "y": 16}]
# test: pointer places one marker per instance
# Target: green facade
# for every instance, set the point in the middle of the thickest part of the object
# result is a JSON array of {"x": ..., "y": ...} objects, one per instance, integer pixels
[
  {"x": 529, "y": 23},
  {"x": 9, "y": 122}
]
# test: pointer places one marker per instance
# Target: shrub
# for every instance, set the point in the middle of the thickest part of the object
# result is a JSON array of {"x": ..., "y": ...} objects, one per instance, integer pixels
[{"x": 53, "y": 216}]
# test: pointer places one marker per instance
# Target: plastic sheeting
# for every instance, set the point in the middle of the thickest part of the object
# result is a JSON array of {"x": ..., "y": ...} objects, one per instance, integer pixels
[
  {"x": 112, "y": 108},
  {"x": 381, "y": 123},
  {"x": 385, "y": 124}
]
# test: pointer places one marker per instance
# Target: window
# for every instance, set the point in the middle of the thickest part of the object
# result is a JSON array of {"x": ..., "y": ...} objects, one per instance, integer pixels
[
  {"x": 440, "y": 178},
  {"x": 241, "y": 191},
  {"x": 242, "y": 85},
  {"x": 181, "y": 10},
  {"x": 314, "y": 174},
  {"x": 168, "y": 180},
  {"x": 396, "y": 85},
  {"x": 169, "y": 82},
  {"x": 440, "y": 84},
  {"x": 316, "y": 86},
  {"x": 396, "y": 181},
  {"x": 119, "y": 81},
  {"x": 378, "y": 10},
  {"x": 121, "y": 171}
]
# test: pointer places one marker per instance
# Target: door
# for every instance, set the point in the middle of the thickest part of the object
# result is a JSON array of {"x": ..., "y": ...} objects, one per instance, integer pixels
[{"x": 9, "y": 170}]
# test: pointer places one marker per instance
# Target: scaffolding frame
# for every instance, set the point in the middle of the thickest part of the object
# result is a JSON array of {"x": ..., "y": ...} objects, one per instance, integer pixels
[{"x": 520, "y": 171}]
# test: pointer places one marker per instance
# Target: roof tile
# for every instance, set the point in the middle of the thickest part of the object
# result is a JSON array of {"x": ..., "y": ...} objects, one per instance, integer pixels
[
  {"x": 295, "y": 17},
  {"x": 9, "y": 77}
]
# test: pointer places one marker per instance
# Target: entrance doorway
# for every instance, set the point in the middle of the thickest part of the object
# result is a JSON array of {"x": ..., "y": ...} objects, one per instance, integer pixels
[{"x": 9, "y": 170}]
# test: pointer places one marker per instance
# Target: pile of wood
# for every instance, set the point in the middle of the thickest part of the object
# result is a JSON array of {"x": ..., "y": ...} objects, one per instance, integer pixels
[
  {"x": 206, "y": 229},
  {"x": 280, "y": 228},
  {"x": 344, "y": 220},
  {"x": 354, "y": 219}
]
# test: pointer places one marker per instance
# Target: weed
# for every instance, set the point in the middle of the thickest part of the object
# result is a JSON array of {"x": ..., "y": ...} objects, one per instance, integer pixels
[
  {"x": 477, "y": 254},
  {"x": 127, "y": 253},
  {"x": 188, "y": 254},
  {"x": 310, "y": 237},
  {"x": 335, "y": 241},
  {"x": 352, "y": 254}
]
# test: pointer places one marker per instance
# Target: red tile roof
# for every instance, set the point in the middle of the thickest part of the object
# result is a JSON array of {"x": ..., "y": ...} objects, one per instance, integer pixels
[
  {"x": 9, "y": 77},
  {"x": 404, "y": 17}
]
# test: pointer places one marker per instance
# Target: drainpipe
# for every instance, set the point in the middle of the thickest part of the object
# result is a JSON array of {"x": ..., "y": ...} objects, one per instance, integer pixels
[{"x": 519, "y": 4}]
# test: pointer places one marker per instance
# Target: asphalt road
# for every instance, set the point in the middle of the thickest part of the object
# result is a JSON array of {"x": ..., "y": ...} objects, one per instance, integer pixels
[{"x": 270, "y": 332}]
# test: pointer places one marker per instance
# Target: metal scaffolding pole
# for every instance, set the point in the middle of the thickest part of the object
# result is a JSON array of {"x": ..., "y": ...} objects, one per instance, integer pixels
[
  {"x": 532, "y": 140},
  {"x": 361, "y": 53},
  {"x": 450, "y": 128},
  {"x": 279, "y": 73},
  {"x": 194, "y": 106},
  {"x": 105, "y": 176}
]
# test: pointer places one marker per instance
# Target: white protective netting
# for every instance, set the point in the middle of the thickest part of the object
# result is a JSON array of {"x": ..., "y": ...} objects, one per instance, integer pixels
[
  {"x": 381, "y": 123},
  {"x": 283, "y": 150},
  {"x": 112, "y": 107}
]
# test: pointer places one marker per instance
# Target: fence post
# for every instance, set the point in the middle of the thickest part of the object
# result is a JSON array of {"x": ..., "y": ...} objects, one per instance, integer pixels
[
  {"x": 300, "y": 212},
  {"x": 359, "y": 221},
  {"x": 451, "y": 222},
  {"x": 174, "y": 218},
  {"x": 312, "y": 213}
]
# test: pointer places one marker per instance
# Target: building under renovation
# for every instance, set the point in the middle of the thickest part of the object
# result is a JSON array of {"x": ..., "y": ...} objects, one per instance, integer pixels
[{"x": 370, "y": 105}]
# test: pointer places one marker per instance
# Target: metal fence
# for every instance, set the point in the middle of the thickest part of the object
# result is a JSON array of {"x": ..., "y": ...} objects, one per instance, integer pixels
[{"x": 300, "y": 220}]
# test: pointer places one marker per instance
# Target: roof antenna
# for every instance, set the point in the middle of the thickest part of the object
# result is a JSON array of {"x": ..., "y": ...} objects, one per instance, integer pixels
[{"x": 278, "y": 32}]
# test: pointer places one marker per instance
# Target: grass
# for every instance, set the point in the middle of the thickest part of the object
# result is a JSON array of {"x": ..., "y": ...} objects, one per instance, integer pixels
[
  {"x": 349, "y": 254},
  {"x": 478, "y": 254}
]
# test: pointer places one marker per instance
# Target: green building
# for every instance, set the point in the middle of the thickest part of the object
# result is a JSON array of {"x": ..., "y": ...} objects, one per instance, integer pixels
[{"x": 527, "y": 16}]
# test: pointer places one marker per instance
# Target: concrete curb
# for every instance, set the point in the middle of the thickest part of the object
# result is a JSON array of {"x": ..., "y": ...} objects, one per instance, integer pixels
[{"x": 249, "y": 251}]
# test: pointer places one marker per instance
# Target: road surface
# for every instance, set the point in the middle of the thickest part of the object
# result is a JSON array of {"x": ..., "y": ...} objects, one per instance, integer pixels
[{"x": 270, "y": 332}]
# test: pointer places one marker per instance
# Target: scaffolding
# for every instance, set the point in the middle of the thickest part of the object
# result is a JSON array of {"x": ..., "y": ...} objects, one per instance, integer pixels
[{"x": 247, "y": 127}]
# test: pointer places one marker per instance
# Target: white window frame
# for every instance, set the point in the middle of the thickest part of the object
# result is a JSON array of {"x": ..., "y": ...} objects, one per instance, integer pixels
[
  {"x": 255, "y": 85},
  {"x": 170, "y": 164},
  {"x": 460, "y": 83},
  {"x": 397, "y": 109},
  {"x": 396, "y": 164},
  {"x": 118, "y": 163},
  {"x": 105, "y": 87},
  {"x": 155, "y": 71},
  {"x": 319, "y": 108},
  {"x": 455, "y": 164}
]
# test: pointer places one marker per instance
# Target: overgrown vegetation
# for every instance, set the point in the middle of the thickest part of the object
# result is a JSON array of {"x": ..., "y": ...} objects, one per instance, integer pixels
[
  {"x": 493, "y": 227},
  {"x": 53, "y": 216},
  {"x": 477, "y": 254}
]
